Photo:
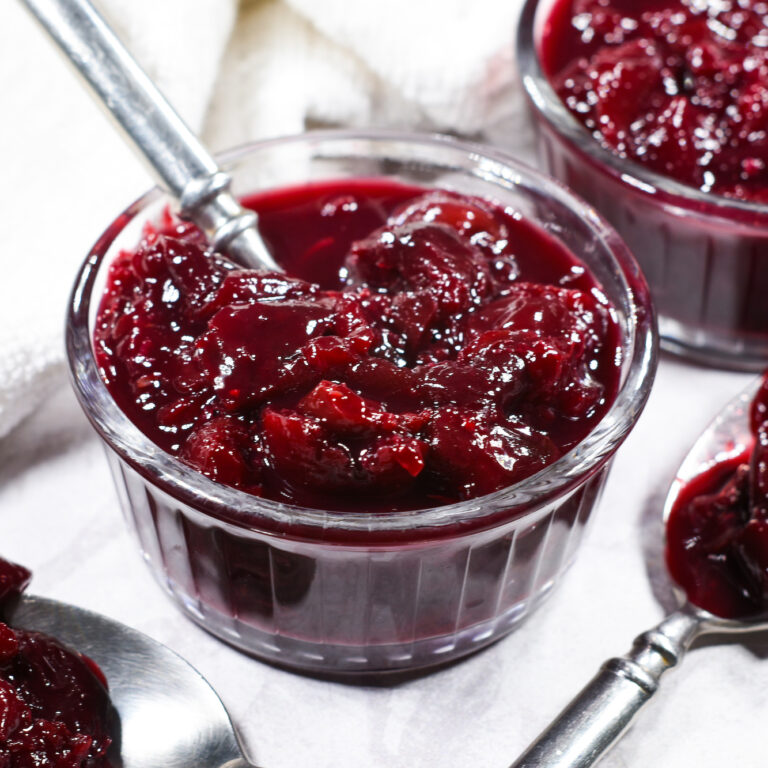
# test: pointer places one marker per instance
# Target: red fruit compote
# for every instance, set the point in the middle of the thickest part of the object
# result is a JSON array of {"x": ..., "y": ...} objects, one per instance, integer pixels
[
  {"x": 349, "y": 466},
  {"x": 717, "y": 532},
  {"x": 421, "y": 349},
  {"x": 673, "y": 149},
  {"x": 54, "y": 704}
]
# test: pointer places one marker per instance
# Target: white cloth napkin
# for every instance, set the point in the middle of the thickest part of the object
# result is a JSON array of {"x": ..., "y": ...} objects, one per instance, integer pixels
[
  {"x": 66, "y": 173},
  {"x": 270, "y": 67}
]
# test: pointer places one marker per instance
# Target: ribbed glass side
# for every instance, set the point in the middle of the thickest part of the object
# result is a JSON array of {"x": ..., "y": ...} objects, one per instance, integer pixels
[
  {"x": 337, "y": 608},
  {"x": 709, "y": 280}
]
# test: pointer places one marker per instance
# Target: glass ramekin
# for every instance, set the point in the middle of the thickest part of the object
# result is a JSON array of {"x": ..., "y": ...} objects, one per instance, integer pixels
[
  {"x": 705, "y": 256},
  {"x": 338, "y": 592}
]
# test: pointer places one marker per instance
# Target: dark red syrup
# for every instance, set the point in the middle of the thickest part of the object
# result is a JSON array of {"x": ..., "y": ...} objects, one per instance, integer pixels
[
  {"x": 677, "y": 85},
  {"x": 717, "y": 532},
  {"x": 54, "y": 705},
  {"x": 422, "y": 348}
]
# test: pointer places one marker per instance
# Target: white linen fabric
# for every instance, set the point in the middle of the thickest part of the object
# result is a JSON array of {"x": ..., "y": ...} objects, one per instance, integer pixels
[
  {"x": 66, "y": 173},
  {"x": 236, "y": 74}
]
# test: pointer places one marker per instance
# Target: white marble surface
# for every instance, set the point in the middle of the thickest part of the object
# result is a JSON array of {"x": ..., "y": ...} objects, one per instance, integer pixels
[{"x": 59, "y": 516}]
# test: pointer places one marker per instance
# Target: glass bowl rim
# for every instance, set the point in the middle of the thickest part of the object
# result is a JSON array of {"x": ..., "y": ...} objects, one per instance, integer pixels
[
  {"x": 666, "y": 190},
  {"x": 246, "y": 510}
]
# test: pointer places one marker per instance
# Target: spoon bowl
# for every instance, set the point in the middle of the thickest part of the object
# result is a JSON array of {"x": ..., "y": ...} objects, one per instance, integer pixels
[
  {"x": 597, "y": 717},
  {"x": 169, "y": 714}
]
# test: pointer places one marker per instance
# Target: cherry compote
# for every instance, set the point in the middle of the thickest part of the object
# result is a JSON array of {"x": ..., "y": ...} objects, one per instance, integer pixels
[
  {"x": 54, "y": 705},
  {"x": 717, "y": 533},
  {"x": 677, "y": 85},
  {"x": 422, "y": 348}
]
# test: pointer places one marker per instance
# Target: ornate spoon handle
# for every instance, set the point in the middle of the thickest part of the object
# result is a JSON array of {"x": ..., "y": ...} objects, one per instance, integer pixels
[
  {"x": 597, "y": 717},
  {"x": 182, "y": 164}
]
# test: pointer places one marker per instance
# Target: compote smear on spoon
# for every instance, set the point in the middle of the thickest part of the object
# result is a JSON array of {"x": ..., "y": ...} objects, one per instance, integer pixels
[
  {"x": 54, "y": 705},
  {"x": 717, "y": 532}
]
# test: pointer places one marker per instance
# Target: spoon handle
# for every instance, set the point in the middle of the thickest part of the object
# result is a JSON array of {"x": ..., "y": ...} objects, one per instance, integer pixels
[
  {"x": 598, "y": 716},
  {"x": 182, "y": 164}
]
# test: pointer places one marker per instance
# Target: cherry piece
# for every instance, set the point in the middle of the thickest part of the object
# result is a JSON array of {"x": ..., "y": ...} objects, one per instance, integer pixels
[{"x": 13, "y": 581}]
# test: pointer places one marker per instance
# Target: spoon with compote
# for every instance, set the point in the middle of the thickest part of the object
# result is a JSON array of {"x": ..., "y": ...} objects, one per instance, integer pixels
[
  {"x": 597, "y": 717},
  {"x": 182, "y": 165},
  {"x": 169, "y": 715}
]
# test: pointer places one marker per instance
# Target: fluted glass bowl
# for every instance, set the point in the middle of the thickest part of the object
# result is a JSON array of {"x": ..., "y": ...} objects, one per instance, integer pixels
[
  {"x": 705, "y": 256},
  {"x": 337, "y": 592}
]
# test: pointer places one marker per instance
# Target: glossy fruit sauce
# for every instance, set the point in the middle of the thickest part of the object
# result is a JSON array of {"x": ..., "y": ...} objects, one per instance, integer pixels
[
  {"x": 677, "y": 85},
  {"x": 422, "y": 348},
  {"x": 54, "y": 705},
  {"x": 717, "y": 533}
]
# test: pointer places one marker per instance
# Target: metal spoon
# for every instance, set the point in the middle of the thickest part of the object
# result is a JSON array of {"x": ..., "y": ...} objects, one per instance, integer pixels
[
  {"x": 594, "y": 720},
  {"x": 181, "y": 163},
  {"x": 169, "y": 714}
]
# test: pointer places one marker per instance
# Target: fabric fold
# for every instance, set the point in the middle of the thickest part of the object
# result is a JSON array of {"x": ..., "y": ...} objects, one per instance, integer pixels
[
  {"x": 265, "y": 68},
  {"x": 67, "y": 173}
]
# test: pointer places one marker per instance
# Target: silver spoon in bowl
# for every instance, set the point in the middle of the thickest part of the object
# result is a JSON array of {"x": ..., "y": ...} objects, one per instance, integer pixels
[
  {"x": 169, "y": 714},
  {"x": 597, "y": 717},
  {"x": 182, "y": 165}
]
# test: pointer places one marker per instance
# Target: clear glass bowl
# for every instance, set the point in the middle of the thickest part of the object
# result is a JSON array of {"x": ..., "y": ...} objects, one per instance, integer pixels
[
  {"x": 705, "y": 256},
  {"x": 335, "y": 592}
]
